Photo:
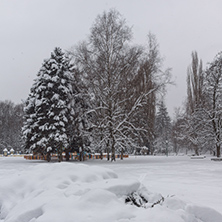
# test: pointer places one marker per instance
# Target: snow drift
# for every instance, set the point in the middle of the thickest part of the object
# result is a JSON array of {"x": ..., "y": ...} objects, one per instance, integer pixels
[{"x": 76, "y": 192}]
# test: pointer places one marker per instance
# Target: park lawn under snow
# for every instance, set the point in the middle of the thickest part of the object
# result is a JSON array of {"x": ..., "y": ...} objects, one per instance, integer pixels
[{"x": 177, "y": 189}]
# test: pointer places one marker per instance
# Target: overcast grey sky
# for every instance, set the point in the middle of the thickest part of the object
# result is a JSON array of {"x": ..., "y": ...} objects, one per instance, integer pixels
[{"x": 31, "y": 29}]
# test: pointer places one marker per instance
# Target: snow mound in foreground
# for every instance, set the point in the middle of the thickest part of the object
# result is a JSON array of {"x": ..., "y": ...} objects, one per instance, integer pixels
[{"x": 65, "y": 192}]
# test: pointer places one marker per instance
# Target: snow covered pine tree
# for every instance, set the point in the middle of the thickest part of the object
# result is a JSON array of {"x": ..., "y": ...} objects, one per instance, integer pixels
[
  {"x": 48, "y": 109},
  {"x": 162, "y": 128}
]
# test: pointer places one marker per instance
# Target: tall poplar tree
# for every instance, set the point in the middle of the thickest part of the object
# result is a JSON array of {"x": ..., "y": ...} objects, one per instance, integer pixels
[
  {"x": 195, "y": 78},
  {"x": 194, "y": 105}
]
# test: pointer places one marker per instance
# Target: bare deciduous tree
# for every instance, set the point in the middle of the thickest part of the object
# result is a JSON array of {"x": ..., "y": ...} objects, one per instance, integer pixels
[
  {"x": 213, "y": 97},
  {"x": 110, "y": 66}
]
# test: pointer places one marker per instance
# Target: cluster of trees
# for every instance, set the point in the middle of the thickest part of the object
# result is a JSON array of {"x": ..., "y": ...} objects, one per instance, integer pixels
[
  {"x": 107, "y": 95},
  {"x": 199, "y": 127},
  {"x": 11, "y": 120},
  {"x": 102, "y": 93}
]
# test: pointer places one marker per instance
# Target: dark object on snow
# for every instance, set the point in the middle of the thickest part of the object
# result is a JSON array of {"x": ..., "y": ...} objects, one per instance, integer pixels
[
  {"x": 139, "y": 200},
  {"x": 136, "y": 199}
]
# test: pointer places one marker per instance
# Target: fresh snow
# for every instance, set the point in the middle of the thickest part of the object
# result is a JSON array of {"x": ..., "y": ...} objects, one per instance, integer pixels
[
  {"x": 187, "y": 190},
  {"x": 50, "y": 85}
]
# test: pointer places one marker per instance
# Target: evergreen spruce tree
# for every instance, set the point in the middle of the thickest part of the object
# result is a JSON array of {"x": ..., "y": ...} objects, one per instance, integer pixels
[
  {"x": 48, "y": 110},
  {"x": 81, "y": 135},
  {"x": 162, "y": 128}
]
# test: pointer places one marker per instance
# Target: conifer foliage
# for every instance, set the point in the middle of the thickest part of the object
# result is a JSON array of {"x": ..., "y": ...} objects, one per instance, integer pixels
[
  {"x": 163, "y": 128},
  {"x": 48, "y": 109}
]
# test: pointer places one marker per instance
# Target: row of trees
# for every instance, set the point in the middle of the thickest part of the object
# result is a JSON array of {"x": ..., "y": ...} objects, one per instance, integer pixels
[
  {"x": 108, "y": 94},
  {"x": 101, "y": 93},
  {"x": 200, "y": 126}
]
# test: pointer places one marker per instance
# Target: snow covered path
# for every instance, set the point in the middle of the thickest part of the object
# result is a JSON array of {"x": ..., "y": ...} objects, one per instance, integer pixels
[{"x": 37, "y": 191}]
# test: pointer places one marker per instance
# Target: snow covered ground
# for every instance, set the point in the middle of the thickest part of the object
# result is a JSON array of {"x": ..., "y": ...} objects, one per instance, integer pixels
[{"x": 178, "y": 189}]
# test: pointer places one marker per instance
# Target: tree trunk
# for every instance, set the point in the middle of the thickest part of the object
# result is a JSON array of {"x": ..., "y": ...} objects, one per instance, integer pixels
[
  {"x": 175, "y": 146},
  {"x": 80, "y": 153},
  {"x": 60, "y": 154},
  {"x": 80, "y": 156},
  {"x": 108, "y": 150},
  {"x": 122, "y": 154},
  {"x": 151, "y": 148},
  {"x": 48, "y": 157},
  {"x": 108, "y": 157},
  {"x": 218, "y": 149},
  {"x": 67, "y": 155},
  {"x": 196, "y": 150},
  {"x": 113, "y": 155},
  {"x": 101, "y": 154}
]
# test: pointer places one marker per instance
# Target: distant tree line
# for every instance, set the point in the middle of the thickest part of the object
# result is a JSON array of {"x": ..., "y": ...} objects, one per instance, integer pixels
[{"x": 11, "y": 120}]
